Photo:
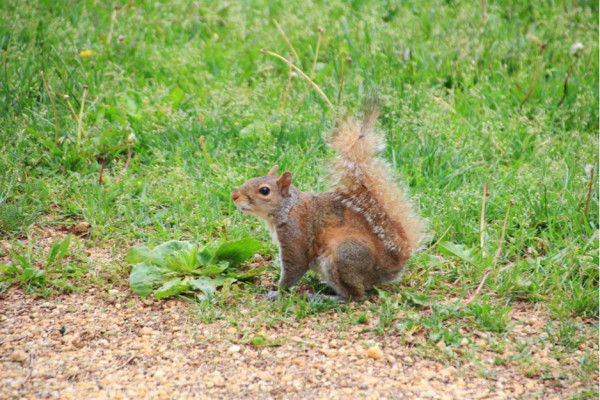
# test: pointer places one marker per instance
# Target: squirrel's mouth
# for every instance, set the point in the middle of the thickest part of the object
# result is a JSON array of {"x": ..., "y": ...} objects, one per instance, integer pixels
[{"x": 244, "y": 208}]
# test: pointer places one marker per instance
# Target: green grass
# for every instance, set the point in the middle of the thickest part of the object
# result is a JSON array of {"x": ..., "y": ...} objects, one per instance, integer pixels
[{"x": 185, "y": 85}]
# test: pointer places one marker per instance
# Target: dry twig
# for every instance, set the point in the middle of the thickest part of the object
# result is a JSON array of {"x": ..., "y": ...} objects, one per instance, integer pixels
[
  {"x": 30, "y": 372},
  {"x": 287, "y": 41},
  {"x": 499, "y": 251},
  {"x": 302, "y": 74},
  {"x": 566, "y": 86},
  {"x": 476, "y": 293},
  {"x": 130, "y": 359},
  {"x": 535, "y": 76}
]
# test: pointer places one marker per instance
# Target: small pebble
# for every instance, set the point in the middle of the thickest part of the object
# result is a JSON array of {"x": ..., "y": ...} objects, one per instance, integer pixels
[
  {"x": 19, "y": 356},
  {"x": 81, "y": 228},
  {"x": 375, "y": 353},
  {"x": 234, "y": 349},
  {"x": 146, "y": 331}
]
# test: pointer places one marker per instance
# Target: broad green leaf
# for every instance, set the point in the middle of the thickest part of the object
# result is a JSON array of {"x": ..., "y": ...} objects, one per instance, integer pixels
[
  {"x": 237, "y": 252},
  {"x": 213, "y": 269},
  {"x": 183, "y": 261},
  {"x": 144, "y": 278},
  {"x": 169, "y": 248},
  {"x": 204, "y": 284},
  {"x": 139, "y": 253},
  {"x": 205, "y": 257},
  {"x": 171, "y": 288},
  {"x": 458, "y": 250}
]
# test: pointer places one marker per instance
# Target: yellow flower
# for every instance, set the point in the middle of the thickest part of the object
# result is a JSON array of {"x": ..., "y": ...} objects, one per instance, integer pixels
[{"x": 85, "y": 53}]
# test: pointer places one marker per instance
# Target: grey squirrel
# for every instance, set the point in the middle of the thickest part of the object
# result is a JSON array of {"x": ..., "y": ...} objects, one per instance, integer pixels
[{"x": 356, "y": 236}]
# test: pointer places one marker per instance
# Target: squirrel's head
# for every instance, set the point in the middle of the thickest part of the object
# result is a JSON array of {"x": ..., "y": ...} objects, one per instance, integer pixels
[{"x": 264, "y": 195}]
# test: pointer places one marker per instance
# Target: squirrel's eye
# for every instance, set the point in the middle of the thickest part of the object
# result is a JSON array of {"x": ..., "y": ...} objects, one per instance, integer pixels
[{"x": 264, "y": 190}]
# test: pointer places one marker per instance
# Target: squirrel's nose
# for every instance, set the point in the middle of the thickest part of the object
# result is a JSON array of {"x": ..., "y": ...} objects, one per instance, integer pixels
[{"x": 235, "y": 196}]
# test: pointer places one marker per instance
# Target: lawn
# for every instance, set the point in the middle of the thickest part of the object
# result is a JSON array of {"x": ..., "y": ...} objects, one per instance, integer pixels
[{"x": 131, "y": 124}]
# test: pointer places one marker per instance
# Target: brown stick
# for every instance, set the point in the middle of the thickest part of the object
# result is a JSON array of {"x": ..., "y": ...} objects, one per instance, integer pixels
[
  {"x": 482, "y": 223},
  {"x": 130, "y": 359},
  {"x": 499, "y": 251},
  {"x": 126, "y": 162},
  {"x": 441, "y": 237},
  {"x": 287, "y": 41},
  {"x": 73, "y": 113},
  {"x": 101, "y": 171},
  {"x": 30, "y": 372},
  {"x": 485, "y": 276},
  {"x": 565, "y": 85},
  {"x": 13, "y": 339},
  {"x": 53, "y": 106},
  {"x": 313, "y": 84},
  {"x": 535, "y": 76}
]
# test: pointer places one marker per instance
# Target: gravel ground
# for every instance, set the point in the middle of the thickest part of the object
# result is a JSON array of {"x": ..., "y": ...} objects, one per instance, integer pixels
[{"x": 100, "y": 345}]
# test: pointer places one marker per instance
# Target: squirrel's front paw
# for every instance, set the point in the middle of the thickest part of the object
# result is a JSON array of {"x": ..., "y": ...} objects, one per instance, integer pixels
[{"x": 271, "y": 296}]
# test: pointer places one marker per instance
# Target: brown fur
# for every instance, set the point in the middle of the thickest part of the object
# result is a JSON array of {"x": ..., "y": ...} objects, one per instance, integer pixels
[{"x": 359, "y": 235}]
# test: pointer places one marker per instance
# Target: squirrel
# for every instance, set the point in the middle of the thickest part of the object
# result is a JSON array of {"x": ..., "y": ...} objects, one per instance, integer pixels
[{"x": 355, "y": 236}]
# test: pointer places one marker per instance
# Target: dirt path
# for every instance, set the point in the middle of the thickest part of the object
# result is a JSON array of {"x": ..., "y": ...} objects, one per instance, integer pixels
[{"x": 128, "y": 349}]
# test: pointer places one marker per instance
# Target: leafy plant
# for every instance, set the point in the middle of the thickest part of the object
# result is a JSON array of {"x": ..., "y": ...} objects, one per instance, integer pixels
[
  {"x": 177, "y": 267},
  {"x": 35, "y": 279},
  {"x": 491, "y": 317}
]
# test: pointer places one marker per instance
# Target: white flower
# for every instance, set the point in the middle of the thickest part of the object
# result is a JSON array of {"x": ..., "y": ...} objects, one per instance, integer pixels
[
  {"x": 131, "y": 138},
  {"x": 576, "y": 49}
]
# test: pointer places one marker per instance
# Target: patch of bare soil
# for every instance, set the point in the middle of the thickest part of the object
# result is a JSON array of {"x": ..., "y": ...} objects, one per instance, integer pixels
[{"x": 89, "y": 345}]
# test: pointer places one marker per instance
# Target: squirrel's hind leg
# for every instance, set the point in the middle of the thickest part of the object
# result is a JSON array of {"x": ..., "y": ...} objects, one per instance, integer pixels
[{"x": 349, "y": 270}]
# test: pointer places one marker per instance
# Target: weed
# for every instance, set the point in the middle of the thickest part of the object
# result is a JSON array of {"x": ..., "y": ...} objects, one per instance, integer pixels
[
  {"x": 489, "y": 316},
  {"x": 55, "y": 274}
]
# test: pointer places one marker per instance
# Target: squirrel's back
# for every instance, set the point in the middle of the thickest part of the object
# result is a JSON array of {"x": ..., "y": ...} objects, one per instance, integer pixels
[{"x": 364, "y": 182}]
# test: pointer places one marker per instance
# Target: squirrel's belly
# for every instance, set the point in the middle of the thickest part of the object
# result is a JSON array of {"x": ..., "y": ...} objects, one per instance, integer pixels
[{"x": 321, "y": 265}]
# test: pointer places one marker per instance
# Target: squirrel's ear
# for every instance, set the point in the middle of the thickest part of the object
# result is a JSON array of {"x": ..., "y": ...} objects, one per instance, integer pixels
[
  {"x": 273, "y": 171},
  {"x": 284, "y": 182}
]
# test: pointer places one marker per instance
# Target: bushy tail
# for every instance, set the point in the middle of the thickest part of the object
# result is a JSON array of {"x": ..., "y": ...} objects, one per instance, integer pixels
[{"x": 366, "y": 185}]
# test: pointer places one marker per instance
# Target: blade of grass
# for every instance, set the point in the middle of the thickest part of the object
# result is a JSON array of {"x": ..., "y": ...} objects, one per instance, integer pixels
[
  {"x": 313, "y": 84},
  {"x": 53, "y": 106},
  {"x": 80, "y": 120}
]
